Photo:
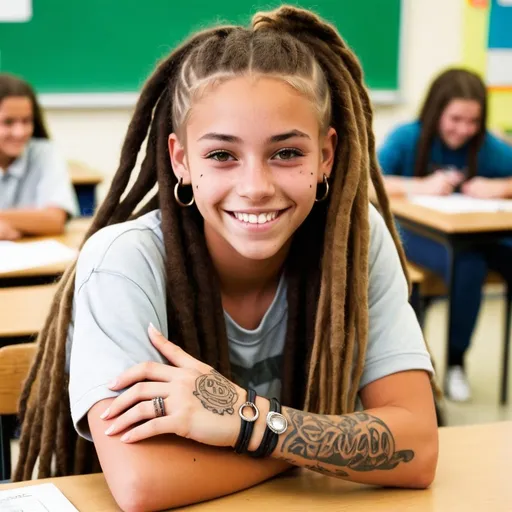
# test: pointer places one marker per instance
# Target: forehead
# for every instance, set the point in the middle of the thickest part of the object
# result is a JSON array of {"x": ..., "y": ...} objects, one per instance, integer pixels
[
  {"x": 16, "y": 106},
  {"x": 250, "y": 105},
  {"x": 463, "y": 107}
]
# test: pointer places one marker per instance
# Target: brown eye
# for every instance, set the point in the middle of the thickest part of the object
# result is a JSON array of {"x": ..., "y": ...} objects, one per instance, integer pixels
[
  {"x": 287, "y": 154},
  {"x": 220, "y": 156}
]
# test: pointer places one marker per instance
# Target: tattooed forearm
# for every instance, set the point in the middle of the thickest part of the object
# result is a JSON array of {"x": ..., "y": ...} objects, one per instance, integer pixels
[
  {"x": 216, "y": 393},
  {"x": 359, "y": 441},
  {"x": 328, "y": 472}
]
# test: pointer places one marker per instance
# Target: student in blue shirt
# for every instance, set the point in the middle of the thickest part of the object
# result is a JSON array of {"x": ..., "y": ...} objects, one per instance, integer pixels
[
  {"x": 448, "y": 149},
  {"x": 36, "y": 195}
]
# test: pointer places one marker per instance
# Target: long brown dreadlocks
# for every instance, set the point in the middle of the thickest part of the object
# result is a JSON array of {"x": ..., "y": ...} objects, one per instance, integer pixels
[{"x": 327, "y": 267}]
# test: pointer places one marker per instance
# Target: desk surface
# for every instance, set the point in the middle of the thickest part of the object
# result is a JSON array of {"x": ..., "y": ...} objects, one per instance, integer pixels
[
  {"x": 450, "y": 222},
  {"x": 473, "y": 475},
  {"x": 24, "y": 309},
  {"x": 82, "y": 175},
  {"x": 75, "y": 232}
]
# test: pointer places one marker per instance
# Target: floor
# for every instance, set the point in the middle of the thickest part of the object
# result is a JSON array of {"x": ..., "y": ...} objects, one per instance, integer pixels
[{"x": 483, "y": 364}]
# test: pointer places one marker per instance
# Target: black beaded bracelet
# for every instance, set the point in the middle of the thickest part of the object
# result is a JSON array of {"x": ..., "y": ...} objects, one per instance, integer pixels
[
  {"x": 263, "y": 449},
  {"x": 247, "y": 423}
]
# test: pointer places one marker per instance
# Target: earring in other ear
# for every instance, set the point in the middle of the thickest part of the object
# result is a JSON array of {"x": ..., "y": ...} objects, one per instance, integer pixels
[
  {"x": 326, "y": 193},
  {"x": 177, "y": 194}
]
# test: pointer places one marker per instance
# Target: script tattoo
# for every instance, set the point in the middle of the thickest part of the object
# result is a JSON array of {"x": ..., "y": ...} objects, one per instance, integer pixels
[
  {"x": 216, "y": 393},
  {"x": 359, "y": 441}
]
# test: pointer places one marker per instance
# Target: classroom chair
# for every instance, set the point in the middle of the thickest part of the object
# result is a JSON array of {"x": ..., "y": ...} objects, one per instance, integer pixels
[
  {"x": 432, "y": 287},
  {"x": 15, "y": 362}
]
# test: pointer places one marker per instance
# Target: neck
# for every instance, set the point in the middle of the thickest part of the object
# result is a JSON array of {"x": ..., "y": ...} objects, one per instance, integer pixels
[
  {"x": 240, "y": 276},
  {"x": 5, "y": 162}
]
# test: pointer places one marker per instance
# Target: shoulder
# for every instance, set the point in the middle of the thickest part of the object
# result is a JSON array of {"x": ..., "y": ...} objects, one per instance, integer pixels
[
  {"x": 133, "y": 249},
  {"x": 492, "y": 143},
  {"x": 41, "y": 148},
  {"x": 407, "y": 132},
  {"x": 380, "y": 237}
]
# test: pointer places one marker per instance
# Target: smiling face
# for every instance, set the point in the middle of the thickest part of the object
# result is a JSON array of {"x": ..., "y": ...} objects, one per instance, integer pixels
[
  {"x": 16, "y": 126},
  {"x": 254, "y": 156},
  {"x": 459, "y": 122}
]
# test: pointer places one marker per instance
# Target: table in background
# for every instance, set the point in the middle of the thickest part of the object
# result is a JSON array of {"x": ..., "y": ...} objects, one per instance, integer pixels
[
  {"x": 457, "y": 232},
  {"x": 473, "y": 475},
  {"x": 85, "y": 182},
  {"x": 72, "y": 237}
]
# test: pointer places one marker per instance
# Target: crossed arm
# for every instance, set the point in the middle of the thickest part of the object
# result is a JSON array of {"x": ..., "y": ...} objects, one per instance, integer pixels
[{"x": 393, "y": 443}]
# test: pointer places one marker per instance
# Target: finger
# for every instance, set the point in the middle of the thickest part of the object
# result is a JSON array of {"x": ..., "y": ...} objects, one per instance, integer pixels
[
  {"x": 139, "y": 412},
  {"x": 137, "y": 393},
  {"x": 149, "y": 370},
  {"x": 174, "y": 354},
  {"x": 158, "y": 426}
]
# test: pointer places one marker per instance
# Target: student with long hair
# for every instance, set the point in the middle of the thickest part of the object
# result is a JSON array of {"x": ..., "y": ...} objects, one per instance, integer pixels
[
  {"x": 257, "y": 278},
  {"x": 36, "y": 196},
  {"x": 448, "y": 149}
]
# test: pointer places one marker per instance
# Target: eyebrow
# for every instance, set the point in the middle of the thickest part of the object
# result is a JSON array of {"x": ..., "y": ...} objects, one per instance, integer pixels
[{"x": 222, "y": 137}]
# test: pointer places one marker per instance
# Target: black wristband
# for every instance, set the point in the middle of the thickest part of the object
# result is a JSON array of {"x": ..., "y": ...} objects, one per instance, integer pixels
[
  {"x": 275, "y": 438},
  {"x": 264, "y": 449},
  {"x": 247, "y": 425}
]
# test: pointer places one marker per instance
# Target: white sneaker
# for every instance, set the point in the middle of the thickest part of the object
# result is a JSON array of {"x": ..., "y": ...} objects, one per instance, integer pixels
[{"x": 456, "y": 385}]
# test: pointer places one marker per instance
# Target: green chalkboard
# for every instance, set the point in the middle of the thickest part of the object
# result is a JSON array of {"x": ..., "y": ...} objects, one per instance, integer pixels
[{"x": 103, "y": 46}]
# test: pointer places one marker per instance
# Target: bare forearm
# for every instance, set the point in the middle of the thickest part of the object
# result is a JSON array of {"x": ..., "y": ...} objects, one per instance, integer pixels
[
  {"x": 385, "y": 446},
  {"x": 44, "y": 221},
  {"x": 508, "y": 188}
]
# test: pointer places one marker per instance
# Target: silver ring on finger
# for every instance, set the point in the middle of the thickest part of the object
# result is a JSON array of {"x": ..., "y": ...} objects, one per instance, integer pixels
[{"x": 158, "y": 406}]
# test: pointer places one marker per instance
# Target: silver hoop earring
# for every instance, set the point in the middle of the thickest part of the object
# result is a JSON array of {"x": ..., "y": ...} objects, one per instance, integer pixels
[
  {"x": 326, "y": 193},
  {"x": 177, "y": 195}
]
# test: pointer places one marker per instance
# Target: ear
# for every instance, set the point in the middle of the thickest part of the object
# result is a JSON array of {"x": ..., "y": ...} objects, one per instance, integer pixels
[
  {"x": 328, "y": 149},
  {"x": 178, "y": 158}
]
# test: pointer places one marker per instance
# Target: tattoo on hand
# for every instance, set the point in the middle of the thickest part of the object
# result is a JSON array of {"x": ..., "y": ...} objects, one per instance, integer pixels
[
  {"x": 359, "y": 441},
  {"x": 216, "y": 393}
]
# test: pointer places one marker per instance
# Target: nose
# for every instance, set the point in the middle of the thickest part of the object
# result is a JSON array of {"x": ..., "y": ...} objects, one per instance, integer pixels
[
  {"x": 256, "y": 182},
  {"x": 19, "y": 130}
]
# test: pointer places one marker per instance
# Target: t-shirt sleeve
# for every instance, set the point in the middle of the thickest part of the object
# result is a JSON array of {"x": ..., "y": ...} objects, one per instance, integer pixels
[
  {"x": 395, "y": 340},
  {"x": 391, "y": 153},
  {"x": 54, "y": 188},
  {"x": 115, "y": 300},
  {"x": 496, "y": 157}
]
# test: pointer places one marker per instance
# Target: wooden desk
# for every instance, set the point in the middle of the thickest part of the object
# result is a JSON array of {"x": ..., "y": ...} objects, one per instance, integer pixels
[
  {"x": 473, "y": 475},
  {"x": 85, "y": 180},
  {"x": 75, "y": 232},
  {"x": 24, "y": 310},
  {"x": 457, "y": 232}
]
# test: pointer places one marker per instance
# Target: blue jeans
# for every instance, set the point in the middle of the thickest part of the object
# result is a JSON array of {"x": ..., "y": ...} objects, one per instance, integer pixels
[{"x": 470, "y": 271}]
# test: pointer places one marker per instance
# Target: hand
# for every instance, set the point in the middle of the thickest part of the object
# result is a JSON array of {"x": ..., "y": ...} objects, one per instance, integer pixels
[
  {"x": 440, "y": 183},
  {"x": 485, "y": 188},
  {"x": 7, "y": 232},
  {"x": 200, "y": 403}
]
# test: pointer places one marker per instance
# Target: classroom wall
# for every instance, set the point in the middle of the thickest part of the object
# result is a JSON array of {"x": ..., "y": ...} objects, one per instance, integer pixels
[{"x": 95, "y": 136}]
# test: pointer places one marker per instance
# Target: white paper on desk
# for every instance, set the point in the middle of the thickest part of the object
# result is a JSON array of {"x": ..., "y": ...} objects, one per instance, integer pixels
[
  {"x": 35, "y": 498},
  {"x": 20, "y": 256},
  {"x": 459, "y": 203}
]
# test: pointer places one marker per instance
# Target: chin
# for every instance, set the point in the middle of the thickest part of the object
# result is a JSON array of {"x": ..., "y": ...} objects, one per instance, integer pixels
[{"x": 258, "y": 251}]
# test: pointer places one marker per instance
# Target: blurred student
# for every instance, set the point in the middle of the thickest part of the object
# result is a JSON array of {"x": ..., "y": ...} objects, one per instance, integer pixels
[
  {"x": 36, "y": 195},
  {"x": 448, "y": 149}
]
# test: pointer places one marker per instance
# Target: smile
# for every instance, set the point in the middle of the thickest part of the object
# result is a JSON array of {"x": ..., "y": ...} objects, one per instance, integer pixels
[{"x": 256, "y": 218}]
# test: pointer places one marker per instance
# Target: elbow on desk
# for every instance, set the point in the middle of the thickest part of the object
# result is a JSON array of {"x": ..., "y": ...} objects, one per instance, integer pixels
[{"x": 425, "y": 473}]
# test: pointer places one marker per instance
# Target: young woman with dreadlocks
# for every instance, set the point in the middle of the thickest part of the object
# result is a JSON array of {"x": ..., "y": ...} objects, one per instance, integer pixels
[
  {"x": 261, "y": 261},
  {"x": 449, "y": 149}
]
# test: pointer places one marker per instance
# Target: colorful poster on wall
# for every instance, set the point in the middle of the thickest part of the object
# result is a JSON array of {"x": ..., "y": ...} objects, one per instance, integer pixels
[
  {"x": 488, "y": 50},
  {"x": 499, "y": 56}
]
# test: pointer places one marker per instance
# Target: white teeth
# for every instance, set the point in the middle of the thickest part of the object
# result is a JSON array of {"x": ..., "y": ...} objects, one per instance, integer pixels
[{"x": 252, "y": 218}]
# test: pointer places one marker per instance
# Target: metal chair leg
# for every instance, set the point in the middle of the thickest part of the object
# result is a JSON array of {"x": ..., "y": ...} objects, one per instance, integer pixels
[{"x": 506, "y": 347}]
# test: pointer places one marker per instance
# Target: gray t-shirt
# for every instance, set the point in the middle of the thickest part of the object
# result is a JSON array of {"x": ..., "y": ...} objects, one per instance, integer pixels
[
  {"x": 120, "y": 289},
  {"x": 39, "y": 178}
]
